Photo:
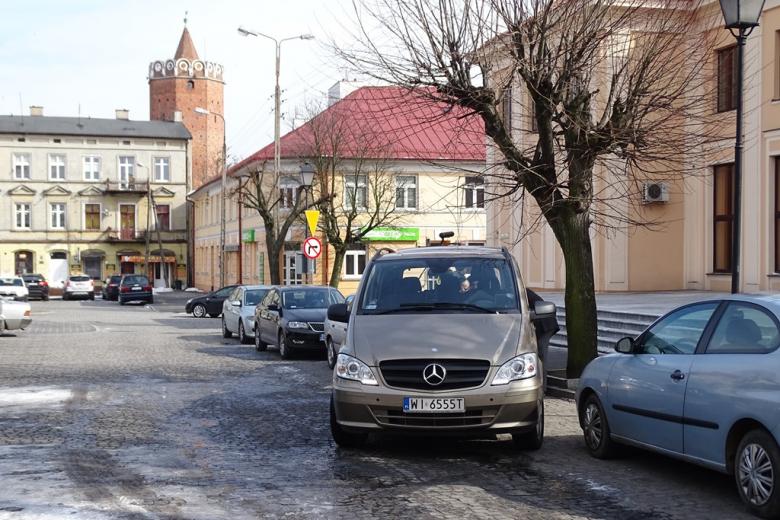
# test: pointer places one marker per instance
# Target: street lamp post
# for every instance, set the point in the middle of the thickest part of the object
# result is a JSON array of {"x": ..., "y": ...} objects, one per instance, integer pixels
[
  {"x": 223, "y": 199},
  {"x": 742, "y": 16},
  {"x": 277, "y": 101},
  {"x": 307, "y": 177}
]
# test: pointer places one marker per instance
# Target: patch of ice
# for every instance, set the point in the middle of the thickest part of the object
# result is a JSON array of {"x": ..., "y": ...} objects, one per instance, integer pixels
[{"x": 33, "y": 395}]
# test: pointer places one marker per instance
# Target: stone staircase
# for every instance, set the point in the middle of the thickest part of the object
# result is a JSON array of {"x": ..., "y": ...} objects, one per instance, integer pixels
[{"x": 612, "y": 325}]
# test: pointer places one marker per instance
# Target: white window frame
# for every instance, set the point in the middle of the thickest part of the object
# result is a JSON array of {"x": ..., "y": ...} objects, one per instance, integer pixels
[
  {"x": 474, "y": 188},
  {"x": 54, "y": 163},
  {"x": 352, "y": 185},
  {"x": 88, "y": 167},
  {"x": 125, "y": 171},
  {"x": 288, "y": 184},
  {"x": 23, "y": 161},
  {"x": 62, "y": 214},
  {"x": 351, "y": 257},
  {"x": 84, "y": 216},
  {"x": 289, "y": 269},
  {"x": 405, "y": 186},
  {"x": 28, "y": 212},
  {"x": 162, "y": 165}
]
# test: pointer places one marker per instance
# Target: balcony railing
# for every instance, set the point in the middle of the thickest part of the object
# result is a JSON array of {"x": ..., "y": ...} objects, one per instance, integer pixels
[
  {"x": 127, "y": 234},
  {"x": 129, "y": 186}
]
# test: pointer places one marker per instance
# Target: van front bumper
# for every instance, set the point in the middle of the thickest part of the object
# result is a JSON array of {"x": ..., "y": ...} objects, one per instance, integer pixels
[{"x": 489, "y": 410}]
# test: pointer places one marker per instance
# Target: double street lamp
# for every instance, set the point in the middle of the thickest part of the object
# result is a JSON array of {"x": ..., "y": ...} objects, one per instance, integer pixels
[{"x": 740, "y": 17}]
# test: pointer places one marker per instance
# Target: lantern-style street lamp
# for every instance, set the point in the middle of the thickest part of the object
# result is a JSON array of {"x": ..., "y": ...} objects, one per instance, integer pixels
[{"x": 740, "y": 17}]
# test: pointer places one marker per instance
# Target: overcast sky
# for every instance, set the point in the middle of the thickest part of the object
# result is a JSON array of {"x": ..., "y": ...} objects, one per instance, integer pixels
[{"x": 96, "y": 54}]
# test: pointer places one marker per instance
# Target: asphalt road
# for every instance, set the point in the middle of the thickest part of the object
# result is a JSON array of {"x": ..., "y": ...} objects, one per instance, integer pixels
[{"x": 143, "y": 412}]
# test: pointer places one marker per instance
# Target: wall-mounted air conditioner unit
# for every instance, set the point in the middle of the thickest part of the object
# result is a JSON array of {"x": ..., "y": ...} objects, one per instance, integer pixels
[{"x": 655, "y": 192}]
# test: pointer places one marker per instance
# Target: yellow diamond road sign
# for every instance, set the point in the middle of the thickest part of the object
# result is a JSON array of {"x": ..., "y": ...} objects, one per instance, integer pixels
[{"x": 312, "y": 217}]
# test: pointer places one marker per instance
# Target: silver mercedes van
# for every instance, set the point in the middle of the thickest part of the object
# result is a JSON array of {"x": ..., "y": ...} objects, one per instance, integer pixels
[{"x": 440, "y": 340}]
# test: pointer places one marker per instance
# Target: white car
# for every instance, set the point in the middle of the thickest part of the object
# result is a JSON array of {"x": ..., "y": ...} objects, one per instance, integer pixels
[
  {"x": 78, "y": 286},
  {"x": 13, "y": 287},
  {"x": 14, "y": 315},
  {"x": 335, "y": 334}
]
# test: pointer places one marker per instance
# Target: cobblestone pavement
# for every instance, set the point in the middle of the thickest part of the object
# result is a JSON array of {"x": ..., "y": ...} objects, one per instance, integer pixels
[{"x": 143, "y": 412}]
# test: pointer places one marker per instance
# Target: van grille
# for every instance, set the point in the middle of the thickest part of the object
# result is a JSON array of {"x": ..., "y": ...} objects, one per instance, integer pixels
[
  {"x": 478, "y": 417},
  {"x": 408, "y": 373}
]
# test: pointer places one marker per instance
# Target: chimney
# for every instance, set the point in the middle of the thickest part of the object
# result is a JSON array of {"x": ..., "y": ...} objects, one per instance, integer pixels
[
  {"x": 36, "y": 110},
  {"x": 122, "y": 113},
  {"x": 177, "y": 116},
  {"x": 342, "y": 89}
]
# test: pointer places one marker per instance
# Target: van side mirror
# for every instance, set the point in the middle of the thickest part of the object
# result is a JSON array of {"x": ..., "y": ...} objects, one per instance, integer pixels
[
  {"x": 543, "y": 310},
  {"x": 338, "y": 312},
  {"x": 236, "y": 303},
  {"x": 625, "y": 345}
]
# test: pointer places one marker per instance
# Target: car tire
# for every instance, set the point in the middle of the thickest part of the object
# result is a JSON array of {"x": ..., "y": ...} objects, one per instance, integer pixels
[
  {"x": 285, "y": 352},
  {"x": 65, "y": 296},
  {"x": 225, "y": 332},
  {"x": 533, "y": 439},
  {"x": 45, "y": 297},
  {"x": 759, "y": 455},
  {"x": 199, "y": 311},
  {"x": 595, "y": 429},
  {"x": 92, "y": 296},
  {"x": 242, "y": 337},
  {"x": 121, "y": 301},
  {"x": 260, "y": 345},
  {"x": 343, "y": 438},
  {"x": 331, "y": 352},
  {"x": 151, "y": 301}
]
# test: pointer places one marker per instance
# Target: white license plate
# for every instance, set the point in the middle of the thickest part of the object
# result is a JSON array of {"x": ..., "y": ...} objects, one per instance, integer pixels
[
  {"x": 136, "y": 288},
  {"x": 32, "y": 284},
  {"x": 322, "y": 337},
  {"x": 434, "y": 404}
]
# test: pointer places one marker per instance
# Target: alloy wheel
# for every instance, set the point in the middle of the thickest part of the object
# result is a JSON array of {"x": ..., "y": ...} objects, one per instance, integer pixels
[
  {"x": 756, "y": 474},
  {"x": 593, "y": 426},
  {"x": 199, "y": 311},
  {"x": 331, "y": 353}
]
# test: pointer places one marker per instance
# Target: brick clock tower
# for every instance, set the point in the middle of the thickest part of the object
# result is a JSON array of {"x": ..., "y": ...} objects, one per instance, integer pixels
[{"x": 180, "y": 85}]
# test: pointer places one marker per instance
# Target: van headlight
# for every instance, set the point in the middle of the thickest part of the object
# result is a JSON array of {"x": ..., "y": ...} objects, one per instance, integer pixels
[
  {"x": 348, "y": 367},
  {"x": 523, "y": 366}
]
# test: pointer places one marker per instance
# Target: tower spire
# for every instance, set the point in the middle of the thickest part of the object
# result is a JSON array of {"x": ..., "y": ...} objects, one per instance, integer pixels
[{"x": 186, "y": 48}]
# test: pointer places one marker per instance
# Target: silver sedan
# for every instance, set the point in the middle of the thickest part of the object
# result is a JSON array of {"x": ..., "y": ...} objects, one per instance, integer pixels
[{"x": 238, "y": 311}]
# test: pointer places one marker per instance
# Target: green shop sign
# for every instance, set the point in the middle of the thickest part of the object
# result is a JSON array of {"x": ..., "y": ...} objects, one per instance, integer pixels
[
  {"x": 248, "y": 235},
  {"x": 392, "y": 234}
]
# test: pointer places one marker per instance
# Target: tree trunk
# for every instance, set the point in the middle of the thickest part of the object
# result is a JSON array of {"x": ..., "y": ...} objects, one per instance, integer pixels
[
  {"x": 273, "y": 250},
  {"x": 572, "y": 232},
  {"x": 338, "y": 262}
]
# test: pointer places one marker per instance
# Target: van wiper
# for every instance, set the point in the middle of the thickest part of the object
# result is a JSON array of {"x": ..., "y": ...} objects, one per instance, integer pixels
[
  {"x": 404, "y": 307},
  {"x": 469, "y": 306},
  {"x": 407, "y": 307}
]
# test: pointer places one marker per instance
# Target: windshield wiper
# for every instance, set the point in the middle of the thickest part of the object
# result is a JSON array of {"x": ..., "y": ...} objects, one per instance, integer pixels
[
  {"x": 407, "y": 307},
  {"x": 403, "y": 307}
]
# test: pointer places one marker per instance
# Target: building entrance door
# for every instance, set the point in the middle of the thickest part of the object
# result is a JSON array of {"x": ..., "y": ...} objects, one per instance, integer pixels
[{"x": 23, "y": 262}]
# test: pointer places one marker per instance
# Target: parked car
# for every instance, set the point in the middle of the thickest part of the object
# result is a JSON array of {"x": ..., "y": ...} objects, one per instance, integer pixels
[
  {"x": 14, "y": 315},
  {"x": 78, "y": 286},
  {"x": 110, "y": 289},
  {"x": 293, "y": 318},
  {"x": 37, "y": 286},
  {"x": 335, "y": 333},
  {"x": 13, "y": 287},
  {"x": 238, "y": 311},
  {"x": 134, "y": 288},
  {"x": 700, "y": 384},
  {"x": 426, "y": 353},
  {"x": 209, "y": 304}
]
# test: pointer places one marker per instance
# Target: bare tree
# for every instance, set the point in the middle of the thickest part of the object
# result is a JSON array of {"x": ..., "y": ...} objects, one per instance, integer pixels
[
  {"x": 618, "y": 90},
  {"x": 354, "y": 176},
  {"x": 261, "y": 192}
]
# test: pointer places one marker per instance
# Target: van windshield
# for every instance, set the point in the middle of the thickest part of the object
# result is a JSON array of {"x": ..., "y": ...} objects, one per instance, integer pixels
[{"x": 437, "y": 284}]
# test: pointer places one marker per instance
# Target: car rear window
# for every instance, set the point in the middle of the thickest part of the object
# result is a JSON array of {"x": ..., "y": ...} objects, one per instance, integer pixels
[
  {"x": 80, "y": 278},
  {"x": 17, "y": 282},
  {"x": 115, "y": 279},
  {"x": 130, "y": 280},
  {"x": 254, "y": 296},
  {"x": 32, "y": 278}
]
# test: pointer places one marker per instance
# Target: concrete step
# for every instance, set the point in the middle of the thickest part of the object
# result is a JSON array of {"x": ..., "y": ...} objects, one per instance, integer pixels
[{"x": 612, "y": 326}]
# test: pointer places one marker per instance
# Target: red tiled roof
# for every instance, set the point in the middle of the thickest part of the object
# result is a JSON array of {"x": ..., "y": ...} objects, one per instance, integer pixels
[
  {"x": 186, "y": 48},
  {"x": 390, "y": 123}
]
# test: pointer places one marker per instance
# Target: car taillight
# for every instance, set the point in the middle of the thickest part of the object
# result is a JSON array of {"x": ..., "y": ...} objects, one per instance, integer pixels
[
  {"x": 124, "y": 289},
  {"x": 112, "y": 285},
  {"x": 28, "y": 314},
  {"x": 147, "y": 287},
  {"x": 44, "y": 283},
  {"x": 67, "y": 283}
]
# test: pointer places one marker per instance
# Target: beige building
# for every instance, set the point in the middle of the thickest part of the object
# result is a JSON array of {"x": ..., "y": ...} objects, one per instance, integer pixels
[
  {"x": 691, "y": 250},
  {"x": 433, "y": 167},
  {"x": 76, "y": 193}
]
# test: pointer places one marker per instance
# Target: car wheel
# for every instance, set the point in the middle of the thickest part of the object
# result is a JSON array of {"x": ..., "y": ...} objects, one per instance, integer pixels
[
  {"x": 92, "y": 296},
  {"x": 532, "y": 440},
  {"x": 342, "y": 438},
  {"x": 121, "y": 301},
  {"x": 225, "y": 332},
  {"x": 64, "y": 296},
  {"x": 151, "y": 300},
  {"x": 756, "y": 467},
  {"x": 284, "y": 348},
  {"x": 242, "y": 338},
  {"x": 199, "y": 311},
  {"x": 45, "y": 297},
  {"x": 260, "y": 345},
  {"x": 595, "y": 429},
  {"x": 331, "y": 352}
]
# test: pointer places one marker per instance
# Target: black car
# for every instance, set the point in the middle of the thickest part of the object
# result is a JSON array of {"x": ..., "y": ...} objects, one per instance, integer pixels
[
  {"x": 293, "y": 318},
  {"x": 37, "y": 286},
  {"x": 135, "y": 287},
  {"x": 110, "y": 290},
  {"x": 209, "y": 304}
]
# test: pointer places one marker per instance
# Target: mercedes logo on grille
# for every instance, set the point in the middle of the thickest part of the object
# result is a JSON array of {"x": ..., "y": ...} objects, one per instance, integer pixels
[{"x": 434, "y": 374}]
